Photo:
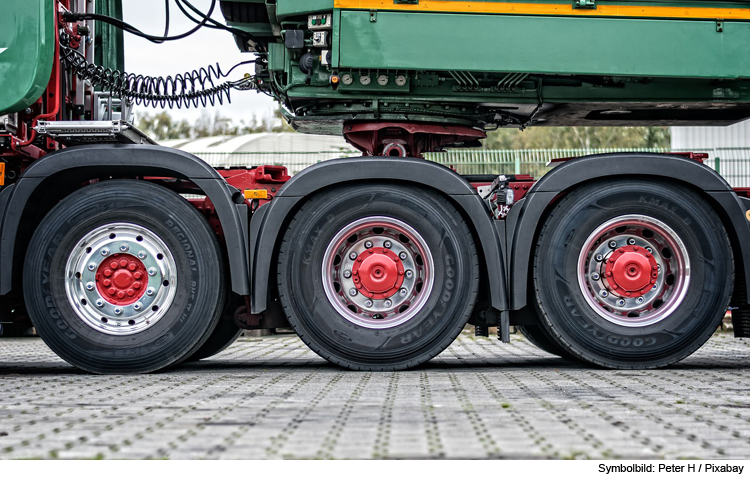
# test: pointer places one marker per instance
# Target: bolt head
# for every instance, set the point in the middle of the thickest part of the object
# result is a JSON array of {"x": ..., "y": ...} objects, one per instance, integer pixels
[
  {"x": 631, "y": 241},
  {"x": 612, "y": 245},
  {"x": 91, "y": 266},
  {"x": 368, "y": 303},
  {"x": 353, "y": 256},
  {"x": 388, "y": 303},
  {"x": 599, "y": 258},
  {"x": 387, "y": 244},
  {"x": 105, "y": 251},
  {"x": 353, "y": 292},
  {"x": 649, "y": 250},
  {"x": 90, "y": 286},
  {"x": 137, "y": 306},
  {"x": 402, "y": 292},
  {"x": 118, "y": 311},
  {"x": 604, "y": 293},
  {"x": 150, "y": 292},
  {"x": 621, "y": 303},
  {"x": 124, "y": 247},
  {"x": 402, "y": 256},
  {"x": 409, "y": 273},
  {"x": 368, "y": 244},
  {"x": 347, "y": 273},
  {"x": 639, "y": 300},
  {"x": 595, "y": 276},
  {"x": 100, "y": 303},
  {"x": 142, "y": 255},
  {"x": 152, "y": 271}
]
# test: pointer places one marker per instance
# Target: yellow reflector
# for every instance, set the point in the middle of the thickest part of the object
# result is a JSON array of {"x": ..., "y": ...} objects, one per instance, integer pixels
[
  {"x": 747, "y": 214},
  {"x": 2, "y": 174},
  {"x": 256, "y": 194}
]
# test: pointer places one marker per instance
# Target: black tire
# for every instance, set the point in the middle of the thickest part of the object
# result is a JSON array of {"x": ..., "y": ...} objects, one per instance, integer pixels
[
  {"x": 537, "y": 335},
  {"x": 434, "y": 316},
  {"x": 685, "y": 297},
  {"x": 224, "y": 335},
  {"x": 191, "y": 303}
]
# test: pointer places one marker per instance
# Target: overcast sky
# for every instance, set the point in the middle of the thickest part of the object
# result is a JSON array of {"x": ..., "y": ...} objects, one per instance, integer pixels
[{"x": 205, "y": 47}]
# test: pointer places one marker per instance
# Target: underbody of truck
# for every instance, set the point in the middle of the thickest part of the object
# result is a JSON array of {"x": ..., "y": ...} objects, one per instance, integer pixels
[{"x": 128, "y": 257}]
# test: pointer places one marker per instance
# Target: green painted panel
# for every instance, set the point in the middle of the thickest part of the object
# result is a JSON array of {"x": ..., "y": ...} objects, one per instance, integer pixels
[
  {"x": 110, "y": 49},
  {"x": 286, "y": 8},
  {"x": 554, "y": 45},
  {"x": 27, "y": 40}
]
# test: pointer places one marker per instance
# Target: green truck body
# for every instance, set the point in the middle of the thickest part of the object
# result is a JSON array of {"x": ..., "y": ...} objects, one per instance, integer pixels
[{"x": 497, "y": 62}]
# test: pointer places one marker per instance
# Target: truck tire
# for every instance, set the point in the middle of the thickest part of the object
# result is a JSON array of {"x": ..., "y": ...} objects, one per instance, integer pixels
[
  {"x": 537, "y": 335},
  {"x": 378, "y": 277},
  {"x": 124, "y": 277},
  {"x": 632, "y": 274},
  {"x": 224, "y": 335}
]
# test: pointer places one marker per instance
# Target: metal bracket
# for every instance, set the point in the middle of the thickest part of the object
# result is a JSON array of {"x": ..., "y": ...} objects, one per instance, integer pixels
[
  {"x": 720, "y": 26},
  {"x": 406, "y": 2},
  {"x": 584, "y": 4},
  {"x": 373, "y": 15}
]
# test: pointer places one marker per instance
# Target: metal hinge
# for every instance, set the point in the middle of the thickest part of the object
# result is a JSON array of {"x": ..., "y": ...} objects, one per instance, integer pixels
[{"x": 587, "y": 4}]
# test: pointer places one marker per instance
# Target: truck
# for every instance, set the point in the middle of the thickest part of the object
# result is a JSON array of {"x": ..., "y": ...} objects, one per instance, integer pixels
[{"x": 128, "y": 257}]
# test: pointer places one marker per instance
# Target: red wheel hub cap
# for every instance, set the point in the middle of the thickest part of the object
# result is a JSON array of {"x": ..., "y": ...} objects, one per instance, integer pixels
[
  {"x": 378, "y": 273},
  {"x": 631, "y": 271},
  {"x": 121, "y": 279}
]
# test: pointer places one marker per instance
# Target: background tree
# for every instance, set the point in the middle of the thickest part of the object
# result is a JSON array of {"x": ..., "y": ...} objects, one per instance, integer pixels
[{"x": 578, "y": 138}]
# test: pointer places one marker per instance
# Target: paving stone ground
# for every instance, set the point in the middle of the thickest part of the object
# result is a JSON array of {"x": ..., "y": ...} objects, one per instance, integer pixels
[{"x": 273, "y": 398}]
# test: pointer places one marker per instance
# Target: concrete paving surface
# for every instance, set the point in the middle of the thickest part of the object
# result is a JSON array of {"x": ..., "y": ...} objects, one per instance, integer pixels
[{"x": 272, "y": 398}]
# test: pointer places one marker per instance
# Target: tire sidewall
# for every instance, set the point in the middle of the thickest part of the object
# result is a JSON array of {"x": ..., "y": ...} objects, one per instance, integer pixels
[
  {"x": 320, "y": 323},
  {"x": 588, "y": 335},
  {"x": 176, "y": 334}
]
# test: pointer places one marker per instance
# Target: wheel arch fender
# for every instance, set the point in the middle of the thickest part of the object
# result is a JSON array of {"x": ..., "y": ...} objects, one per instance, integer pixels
[
  {"x": 79, "y": 164},
  {"x": 269, "y": 222},
  {"x": 528, "y": 218}
]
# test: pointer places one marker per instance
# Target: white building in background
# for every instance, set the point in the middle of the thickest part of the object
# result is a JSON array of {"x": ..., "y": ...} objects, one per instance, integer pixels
[
  {"x": 293, "y": 150},
  {"x": 737, "y": 135},
  {"x": 728, "y": 148}
]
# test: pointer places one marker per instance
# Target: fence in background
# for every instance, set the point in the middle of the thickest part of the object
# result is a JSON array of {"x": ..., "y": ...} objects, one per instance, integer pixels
[{"x": 732, "y": 163}]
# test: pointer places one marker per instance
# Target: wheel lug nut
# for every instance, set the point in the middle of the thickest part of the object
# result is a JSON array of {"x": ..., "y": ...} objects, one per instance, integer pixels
[
  {"x": 150, "y": 292},
  {"x": 137, "y": 306},
  {"x": 90, "y": 286},
  {"x": 353, "y": 292},
  {"x": 91, "y": 266},
  {"x": 649, "y": 250},
  {"x": 353, "y": 256},
  {"x": 368, "y": 303},
  {"x": 118, "y": 311},
  {"x": 595, "y": 276},
  {"x": 142, "y": 255},
  {"x": 612, "y": 245},
  {"x": 152, "y": 271},
  {"x": 604, "y": 294},
  {"x": 100, "y": 303},
  {"x": 620, "y": 302},
  {"x": 347, "y": 274},
  {"x": 387, "y": 303},
  {"x": 387, "y": 244},
  {"x": 631, "y": 241},
  {"x": 409, "y": 273},
  {"x": 368, "y": 244},
  {"x": 402, "y": 292},
  {"x": 124, "y": 247},
  {"x": 639, "y": 300},
  {"x": 599, "y": 258},
  {"x": 402, "y": 256},
  {"x": 105, "y": 251}
]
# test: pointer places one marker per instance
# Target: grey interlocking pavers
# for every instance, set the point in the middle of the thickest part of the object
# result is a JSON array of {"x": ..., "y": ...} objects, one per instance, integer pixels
[{"x": 272, "y": 398}]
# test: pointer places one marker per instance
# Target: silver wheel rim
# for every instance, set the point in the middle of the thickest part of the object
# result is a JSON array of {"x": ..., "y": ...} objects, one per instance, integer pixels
[
  {"x": 350, "y": 296},
  {"x": 94, "y": 254},
  {"x": 647, "y": 239}
]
